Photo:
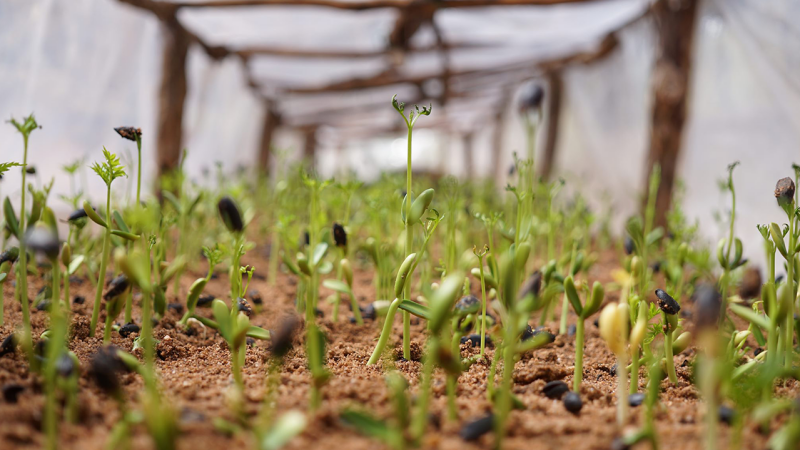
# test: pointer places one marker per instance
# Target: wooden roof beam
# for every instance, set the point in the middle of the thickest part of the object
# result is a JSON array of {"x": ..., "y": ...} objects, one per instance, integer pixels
[{"x": 364, "y": 5}]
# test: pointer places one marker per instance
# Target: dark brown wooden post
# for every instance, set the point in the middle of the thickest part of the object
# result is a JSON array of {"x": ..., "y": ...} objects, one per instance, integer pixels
[
  {"x": 675, "y": 22},
  {"x": 498, "y": 140},
  {"x": 272, "y": 121},
  {"x": 172, "y": 94},
  {"x": 555, "y": 90},
  {"x": 468, "y": 143},
  {"x": 309, "y": 145}
]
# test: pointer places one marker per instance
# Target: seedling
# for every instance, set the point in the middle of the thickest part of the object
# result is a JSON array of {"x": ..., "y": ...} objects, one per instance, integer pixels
[
  {"x": 108, "y": 170},
  {"x": 18, "y": 228},
  {"x": 214, "y": 257},
  {"x": 480, "y": 255},
  {"x": 411, "y": 212},
  {"x": 584, "y": 311}
]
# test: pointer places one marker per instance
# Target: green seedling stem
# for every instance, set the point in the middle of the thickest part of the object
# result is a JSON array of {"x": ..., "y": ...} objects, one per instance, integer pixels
[
  {"x": 55, "y": 347},
  {"x": 480, "y": 255},
  {"x": 25, "y": 129}
]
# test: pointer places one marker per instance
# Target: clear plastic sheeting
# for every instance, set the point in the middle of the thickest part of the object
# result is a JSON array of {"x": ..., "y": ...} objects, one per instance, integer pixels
[{"x": 86, "y": 66}]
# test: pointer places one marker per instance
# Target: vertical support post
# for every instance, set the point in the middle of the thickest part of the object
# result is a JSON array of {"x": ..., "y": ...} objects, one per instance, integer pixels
[
  {"x": 555, "y": 91},
  {"x": 272, "y": 121},
  {"x": 309, "y": 146},
  {"x": 468, "y": 147},
  {"x": 675, "y": 23},
  {"x": 172, "y": 94}
]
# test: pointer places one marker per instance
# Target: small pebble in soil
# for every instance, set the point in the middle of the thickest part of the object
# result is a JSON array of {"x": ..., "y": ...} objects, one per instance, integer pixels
[
  {"x": 573, "y": 403},
  {"x": 9, "y": 345},
  {"x": 74, "y": 279},
  {"x": 318, "y": 312},
  {"x": 205, "y": 300},
  {"x": 11, "y": 392},
  {"x": 474, "y": 340},
  {"x": 368, "y": 312},
  {"x": 250, "y": 342},
  {"x": 477, "y": 428},
  {"x": 190, "y": 415},
  {"x": 43, "y": 305},
  {"x": 636, "y": 399},
  {"x": 128, "y": 328},
  {"x": 255, "y": 297},
  {"x": 555, "y": 389},
  {"x": 572, "y": 330},
  {"x": 78, "y": 300},
  {"x": 177, "y": 307},
  {"x": 726, "y": 414},
  {"x": 758, "y": 351},
  {"x": 619, "y": 444}
]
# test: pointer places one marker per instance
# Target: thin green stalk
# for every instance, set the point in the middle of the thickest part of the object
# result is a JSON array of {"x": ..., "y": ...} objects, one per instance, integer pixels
[
  {"x": 103, "y": 263},
  {"x": 139, "y": 169},
  {"x": 790, "y": 279},
  {"x": 54, "y": 347},
  {"x": 622, "y": 385},
  {"x": 22, "y": 266},
  {"x": 483, "y": 308},
  {"x": 634, "y": 386},
  {"x": 420, "y": 419},
  {"x": 408, "y": 245},
  {"x": 578, "y": 375},
  {"x": 385, "y": 332},
  {"x": 673, "y": 377}
]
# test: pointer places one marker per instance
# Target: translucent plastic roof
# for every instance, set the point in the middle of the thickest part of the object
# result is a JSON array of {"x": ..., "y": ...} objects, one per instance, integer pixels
[{"x": 498, "y": 39}]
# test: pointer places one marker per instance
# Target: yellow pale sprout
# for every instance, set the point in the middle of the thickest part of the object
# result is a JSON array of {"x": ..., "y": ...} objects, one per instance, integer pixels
[{"x": 614, "y": 326}]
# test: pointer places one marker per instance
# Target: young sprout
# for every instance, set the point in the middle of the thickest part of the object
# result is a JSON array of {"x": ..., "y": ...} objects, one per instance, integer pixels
[
  {"x": 42, "y": 239},
  {"x": 584, "y": 311},
  {"x": 134, "y": 134},
  {"x": 480, "y": 255},
  {"x": 784, "y": 193},
  {"x": 613, "y": 324},
  {"x": 109, "y": 170},
  {"x": 707, "y": 315},
  {"x": 410, "y": 208},
  {"x": 214, "y": 257},
  {"x": 669, "y": 309},
  {"x": 115, "y": 301},
  {"x": 18, "y": 228}
]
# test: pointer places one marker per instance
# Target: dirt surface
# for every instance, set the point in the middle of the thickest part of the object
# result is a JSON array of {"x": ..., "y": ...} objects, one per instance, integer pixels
[{"x": 194, "y": 374}]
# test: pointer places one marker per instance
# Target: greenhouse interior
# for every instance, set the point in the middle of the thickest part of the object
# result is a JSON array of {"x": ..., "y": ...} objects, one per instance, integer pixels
[{"x": 400, "y": 224}]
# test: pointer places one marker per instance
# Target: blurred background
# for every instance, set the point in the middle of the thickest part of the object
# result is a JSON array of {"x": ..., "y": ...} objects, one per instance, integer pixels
[{"x": 251, "y": 86}]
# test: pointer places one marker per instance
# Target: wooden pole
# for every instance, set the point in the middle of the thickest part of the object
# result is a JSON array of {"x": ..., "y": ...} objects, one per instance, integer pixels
[
  {"x": 172, "y": 94},
  {"x": 272, "y": 121},
  {"x": 675, "y": 24},
  {"x": 553, "y": 114},
  {"x": 498, "y": 143},
  {"x": 468, "y": 147},
  {"x": 309, "y": 146}
]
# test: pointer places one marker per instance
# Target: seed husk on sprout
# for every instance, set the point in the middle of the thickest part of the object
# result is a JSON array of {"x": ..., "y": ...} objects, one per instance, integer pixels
[
  {"x": 339, "y": 235},
  {"x": 667, "y": 303},
  {"x": 784, "y": 191},
  {"x": 129, "y": 133},
  {"x": 230, "y": 214}
]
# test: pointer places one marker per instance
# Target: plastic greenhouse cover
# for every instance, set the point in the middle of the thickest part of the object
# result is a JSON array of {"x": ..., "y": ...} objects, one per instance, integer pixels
[{"x": 86, "y": 66}]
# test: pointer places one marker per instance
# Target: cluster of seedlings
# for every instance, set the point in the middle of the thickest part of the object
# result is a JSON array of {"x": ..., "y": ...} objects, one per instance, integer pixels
[{"x": 494, "y": 269}]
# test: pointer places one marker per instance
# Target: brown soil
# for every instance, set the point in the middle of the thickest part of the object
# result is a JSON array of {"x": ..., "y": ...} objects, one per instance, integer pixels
[{"x": 195, "y": 373}]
